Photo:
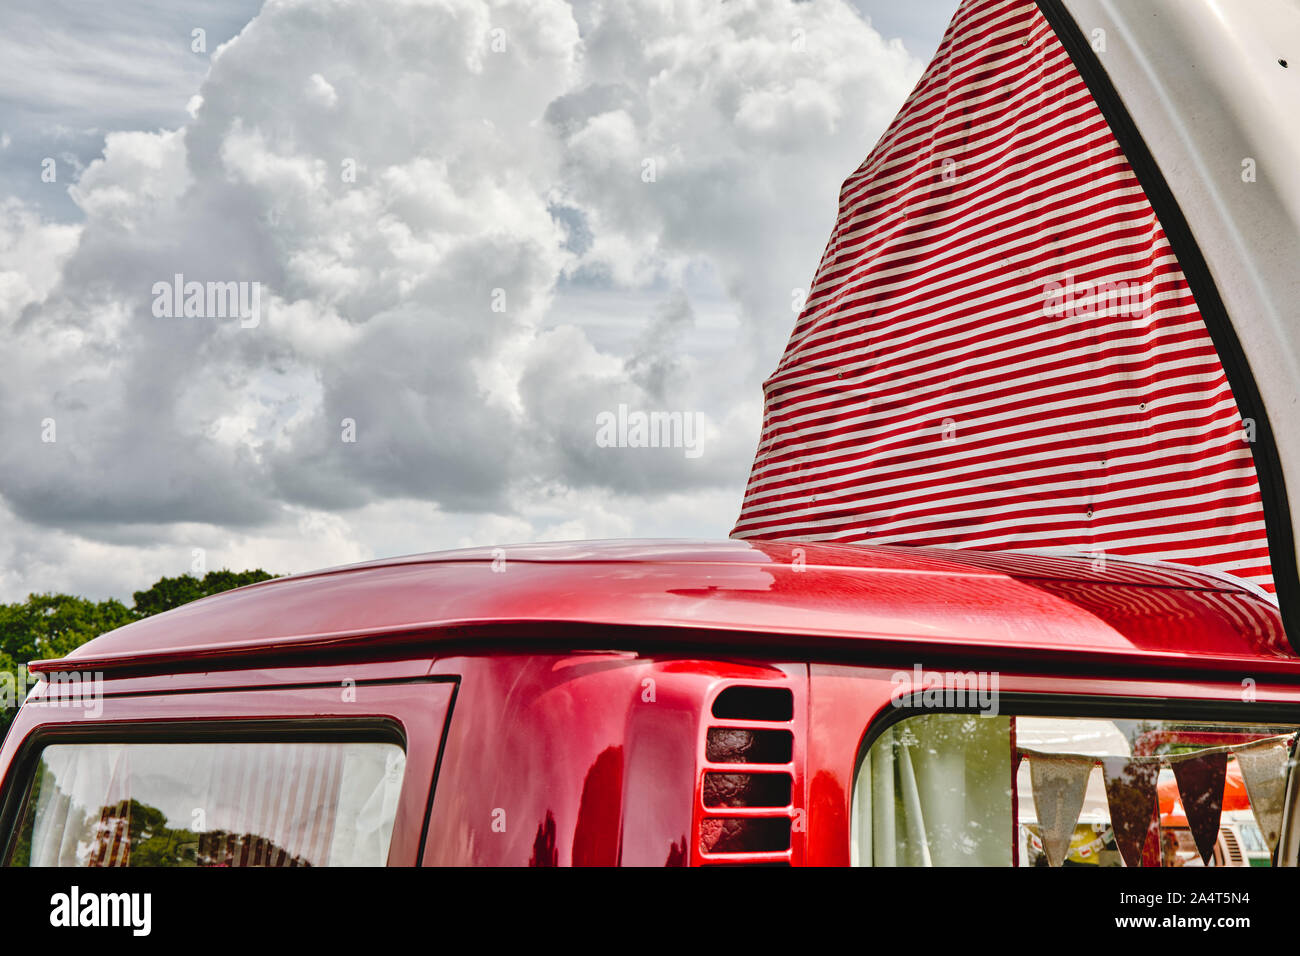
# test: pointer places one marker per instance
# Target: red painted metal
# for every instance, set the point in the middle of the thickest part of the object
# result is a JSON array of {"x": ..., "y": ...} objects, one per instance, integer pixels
[
  {"x": 585, "y": 759},
  {"x": 758, "y": 592},
  {"x": 580, "y": 680}
]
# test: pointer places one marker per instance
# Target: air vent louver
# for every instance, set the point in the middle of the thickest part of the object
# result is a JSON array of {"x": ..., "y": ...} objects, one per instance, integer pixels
[{"x": 747, "y": 782}]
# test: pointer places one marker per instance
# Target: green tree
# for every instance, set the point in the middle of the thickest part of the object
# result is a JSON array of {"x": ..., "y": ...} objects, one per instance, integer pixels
[
  {"x": 51, "y": 625},
  {"x": 168, "y": 593}
]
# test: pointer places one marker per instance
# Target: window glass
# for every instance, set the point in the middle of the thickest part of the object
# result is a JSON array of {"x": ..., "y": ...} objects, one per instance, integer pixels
[
  {"x": 211, "y": 804},
  {"x": 960, "y": 790}
]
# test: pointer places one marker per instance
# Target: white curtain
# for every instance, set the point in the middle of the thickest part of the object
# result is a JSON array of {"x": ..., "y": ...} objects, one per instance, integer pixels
[
  {"x": 235, "y": 804},
  {"x": 935, "y": 790},
  {"x": 372, "y": 782},
  {"x": 76, "y": 784}
]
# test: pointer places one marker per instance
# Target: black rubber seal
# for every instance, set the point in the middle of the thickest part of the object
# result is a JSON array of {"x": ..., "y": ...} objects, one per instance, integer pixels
[{"x": 1268, "y": 466}]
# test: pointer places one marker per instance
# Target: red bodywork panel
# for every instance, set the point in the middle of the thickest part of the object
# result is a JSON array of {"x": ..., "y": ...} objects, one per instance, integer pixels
[
  {"x": 560, "y": 710},
  {"x": 757, "y": 594},
  {"x": 585, "y": 759}
]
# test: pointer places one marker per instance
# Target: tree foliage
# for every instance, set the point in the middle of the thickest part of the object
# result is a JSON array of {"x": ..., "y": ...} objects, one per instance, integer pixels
[{"x": 168, "y": 593}]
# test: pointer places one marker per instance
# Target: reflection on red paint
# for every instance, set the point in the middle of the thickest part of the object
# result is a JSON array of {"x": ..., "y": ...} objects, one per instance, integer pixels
[{"x": 596, "y": 836}]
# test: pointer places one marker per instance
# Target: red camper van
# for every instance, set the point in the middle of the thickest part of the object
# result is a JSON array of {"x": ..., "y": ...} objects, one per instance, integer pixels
[
  {"x": 647, "y": 703},
  {"x": 1015, "y": 554}
]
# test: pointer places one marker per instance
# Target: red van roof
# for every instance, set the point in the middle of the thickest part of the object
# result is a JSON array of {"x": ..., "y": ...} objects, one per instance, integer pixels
[{"x": 797, "y": 600}]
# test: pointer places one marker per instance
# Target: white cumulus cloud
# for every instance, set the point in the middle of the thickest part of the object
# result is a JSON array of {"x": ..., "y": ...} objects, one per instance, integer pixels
[{"x": 438, "y": 200}]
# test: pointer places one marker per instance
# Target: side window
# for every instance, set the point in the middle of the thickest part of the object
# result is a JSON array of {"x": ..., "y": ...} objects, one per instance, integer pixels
[
  {"x": 211, "y": 804},
  {"x": 942, "y": 789}
]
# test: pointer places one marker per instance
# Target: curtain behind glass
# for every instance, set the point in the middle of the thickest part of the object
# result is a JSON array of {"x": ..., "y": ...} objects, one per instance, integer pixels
[
  {"x": 220, "y": 804},
  {"x": 939, "y": 794}
]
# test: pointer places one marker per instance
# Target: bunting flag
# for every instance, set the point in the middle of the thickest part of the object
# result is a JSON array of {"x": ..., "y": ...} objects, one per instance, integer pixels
[
  {"x": 1200, "y": 785},
  {"x": 1060, "y": 784},
  {"x": 1000, "y": 349},
  {"x": 1134, "y": 811},
  {"x": 1264, "y": 769}
]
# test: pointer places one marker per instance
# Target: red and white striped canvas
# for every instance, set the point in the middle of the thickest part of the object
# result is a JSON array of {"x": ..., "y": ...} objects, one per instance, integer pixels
[{"x": 999, "y": 350}]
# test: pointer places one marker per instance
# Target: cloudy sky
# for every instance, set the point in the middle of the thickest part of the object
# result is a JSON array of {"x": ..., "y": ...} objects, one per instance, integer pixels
[{"x": 474, "y": 227}]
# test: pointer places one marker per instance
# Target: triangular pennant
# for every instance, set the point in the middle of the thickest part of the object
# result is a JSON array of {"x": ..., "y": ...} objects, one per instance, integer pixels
[
  {"x": 1060, "y": 785},
  {"x": 1131, "y": 793},
  {"x": 1264, "y": 770},
  {"x": 1200, "y": 785}
]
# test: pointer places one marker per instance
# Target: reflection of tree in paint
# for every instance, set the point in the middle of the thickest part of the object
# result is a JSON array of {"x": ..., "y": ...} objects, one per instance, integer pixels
[
  {"x": 596, "y": 835},
  {"x": 676, "y": 853},
  {"x": 544, "y": 849}
]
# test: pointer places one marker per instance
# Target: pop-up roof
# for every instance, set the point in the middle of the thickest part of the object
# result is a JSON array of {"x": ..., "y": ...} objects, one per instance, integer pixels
[{"x": 1020, "y": 337}]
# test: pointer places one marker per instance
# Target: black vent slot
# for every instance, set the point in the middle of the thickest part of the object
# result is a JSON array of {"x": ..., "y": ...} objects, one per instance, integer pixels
[
  {"x": 754, "y": 703},
  {"x": 746, "y": 835},
  {"x": 747, "y": 789},
  {"x": 742, "y": 745}
]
